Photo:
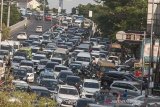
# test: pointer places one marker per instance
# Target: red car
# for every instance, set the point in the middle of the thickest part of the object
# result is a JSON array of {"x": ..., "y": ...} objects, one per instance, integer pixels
[{"x": 48, "y": 18}]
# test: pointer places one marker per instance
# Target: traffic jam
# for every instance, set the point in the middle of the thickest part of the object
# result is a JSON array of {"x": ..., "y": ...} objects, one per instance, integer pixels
[{"x": 74, "y": 67}]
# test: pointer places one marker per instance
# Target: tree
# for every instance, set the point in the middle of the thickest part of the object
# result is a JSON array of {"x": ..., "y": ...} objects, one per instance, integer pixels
[
  {"x": 55, "y": 10},
  {"x": 117, "y": 15},
  {"x": 74, "y": 10},
  {"x": 23, "y": 99},
  {"x": 15, "y": 16},
  {"x": 5, "y": 32}
]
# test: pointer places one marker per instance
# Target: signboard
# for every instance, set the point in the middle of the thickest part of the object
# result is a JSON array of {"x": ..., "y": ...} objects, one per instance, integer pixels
[
  {"x": 59, "y": 10},
  {"x": 121, "y": 36},
  {"x": 146, "y": 50},
  {"x": 90, "y": 13}
]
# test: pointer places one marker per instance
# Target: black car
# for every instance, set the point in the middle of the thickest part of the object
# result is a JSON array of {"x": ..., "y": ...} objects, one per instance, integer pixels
[
  {"x": 51, "y": 65},
  {"x": 109, "y": 77},
  {"x": 73, "y": 80},
  {"x": 50, "y": 84},
  {"x": 62, "y": 76},
  {"x": 40, "y": 91},
  {"x": 83, "y": 102},
  {"x": 20, "y": 74}
]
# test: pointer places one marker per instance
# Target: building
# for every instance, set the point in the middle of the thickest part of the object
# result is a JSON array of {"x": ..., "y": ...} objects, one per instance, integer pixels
[
  {"x": 153, "y": 16},
  {"x": 31, "y": 4}
]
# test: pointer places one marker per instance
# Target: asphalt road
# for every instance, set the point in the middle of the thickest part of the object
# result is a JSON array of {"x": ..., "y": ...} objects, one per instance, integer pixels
[{"x": 32, "y": 24}]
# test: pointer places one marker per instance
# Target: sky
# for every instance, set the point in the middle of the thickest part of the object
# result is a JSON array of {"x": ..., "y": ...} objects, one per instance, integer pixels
[{"x": 68, "y": 4}]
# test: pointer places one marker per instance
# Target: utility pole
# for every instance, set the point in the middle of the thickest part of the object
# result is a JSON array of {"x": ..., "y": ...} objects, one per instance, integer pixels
[
  {"x": 151, "y": 53},
  {"x": 44, "y": 3},
  {"x": 1, "y": 14},
  {"x": 9, "y": 11},
  {"x": 1, "y": 22}
]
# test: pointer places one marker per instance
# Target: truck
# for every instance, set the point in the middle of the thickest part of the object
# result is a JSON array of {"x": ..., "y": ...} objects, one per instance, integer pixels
[{"x": 115, "y": 49}]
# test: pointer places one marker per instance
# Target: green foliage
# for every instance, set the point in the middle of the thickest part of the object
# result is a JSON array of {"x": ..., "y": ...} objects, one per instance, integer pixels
[
  {"x": 73, "y": 10},
  {"x": 55, "y": 10},
  {"x": 23, "y": 99},
  {"x": 115, "y": 15},
  {"x": 14, "y": 15},
  {"x": 5, "y": 32}
]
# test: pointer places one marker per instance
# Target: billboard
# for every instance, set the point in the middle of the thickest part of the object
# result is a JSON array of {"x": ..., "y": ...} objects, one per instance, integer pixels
[{"x": 146, "y": 50}]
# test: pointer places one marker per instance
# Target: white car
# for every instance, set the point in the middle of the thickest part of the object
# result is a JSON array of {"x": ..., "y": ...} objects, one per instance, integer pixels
[
  {"x": 67, "y": 96},
  {"x": 22, "y": 36},
  {"x": 89, "y": 87},
  {"x": 133, "y": 88},
  {"x": 115, "y": 58},
  {"x": 39, "y": 29},
  {"x": 138, "y": 101}
]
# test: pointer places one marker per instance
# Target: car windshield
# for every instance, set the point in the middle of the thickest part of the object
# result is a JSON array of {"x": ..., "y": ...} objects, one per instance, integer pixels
[
  {"x": 46, "y": 37},
  {"x": 83, "y": 103},
  {"x": 51, "y": 65},
  {"x": 64, "y": 75},
  {"x": 47, "y": 83},
  {"x": 68, "y": 91},
  {"x": 56, "y": 60},
  {"x": 91, "y": 85},
  {"x": 113, "y": 58},
  {"x": 84, "y": 59},
  {"x": 9, "y": 48},
  {"x": 21, "y": 54},
  {"x": 115, "y": 50},
  {"x": 34, "y": 50},
  {"x": 47, "y": 76},
  {"x": 43, "y": 62},
  {"x": 60, "y": 55},
  {"x": 17, "y": 60},
  {"x": 38, "y": 57},
  {"x": 26, "y": 64},
  {"x": 58, "y": 69},
  {"x": 73, "y": 80},
  {"x": 95, "y": 49},
  {"x": 4, "y": 53},
  {"x": 138, "y": 86},
  {"x": 20, "y": 72},
  {"x": 42, "y": 93},
  {"x": 75, "y": 66},
  {"x": 107, "y": 69}
]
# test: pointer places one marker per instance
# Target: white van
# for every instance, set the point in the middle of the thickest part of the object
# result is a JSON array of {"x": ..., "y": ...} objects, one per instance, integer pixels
[
  {"x": 84, "y": 58},
  {"x": 78, "y": 23}
]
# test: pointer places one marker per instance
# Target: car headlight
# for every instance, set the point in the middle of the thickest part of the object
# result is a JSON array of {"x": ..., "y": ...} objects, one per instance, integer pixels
[{"x": 59, "y": 100}]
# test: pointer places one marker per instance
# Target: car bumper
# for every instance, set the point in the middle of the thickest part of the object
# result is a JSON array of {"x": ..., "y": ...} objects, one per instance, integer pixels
[{"x": 63, "y": 105}]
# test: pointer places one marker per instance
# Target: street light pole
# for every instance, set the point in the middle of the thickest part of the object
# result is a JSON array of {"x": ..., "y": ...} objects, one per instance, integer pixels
[
  {"x": 151, "y": 53},
  {"x": 9, "y": 11},
  {"x": 44, "y": 3},
  {"x": 1, "y": 14}
]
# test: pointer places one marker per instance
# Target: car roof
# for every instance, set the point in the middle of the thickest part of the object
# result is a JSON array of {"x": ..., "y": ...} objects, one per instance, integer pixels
[
  {"x": 48, "y": 79},
  {"x": 38, "y": 87},
  {"x": 20, "y": 57},
  {"x": 84, "y": 54},
  {"x": 91, "y": 80},
  {"x": 72, "y": 76},
  {"x": 127, "y": 82},
  {"x": 67, "y": 86},
  {"x": 27, "y": 61},
  {"x": 56, "y": 58},
  {"x": 61, "y": 66}
]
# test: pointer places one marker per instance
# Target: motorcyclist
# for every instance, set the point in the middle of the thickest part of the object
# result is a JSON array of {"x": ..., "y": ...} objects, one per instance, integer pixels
[{"x": 25, "y": 26}]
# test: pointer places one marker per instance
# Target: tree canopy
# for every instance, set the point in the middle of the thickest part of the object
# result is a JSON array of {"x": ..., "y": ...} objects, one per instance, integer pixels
[{"x": 115, "y": 15}]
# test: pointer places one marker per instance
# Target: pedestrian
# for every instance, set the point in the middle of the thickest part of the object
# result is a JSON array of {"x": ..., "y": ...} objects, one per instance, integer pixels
[
  {"x": 125, "y": 95},
  {"x": 118, "y": 97}
]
